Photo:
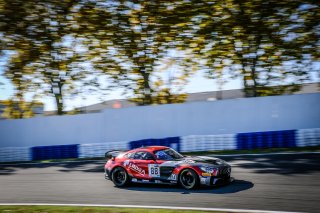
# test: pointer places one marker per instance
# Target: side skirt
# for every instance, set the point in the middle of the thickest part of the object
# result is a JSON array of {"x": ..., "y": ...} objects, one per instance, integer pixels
[{"x": 137, "y": 180}]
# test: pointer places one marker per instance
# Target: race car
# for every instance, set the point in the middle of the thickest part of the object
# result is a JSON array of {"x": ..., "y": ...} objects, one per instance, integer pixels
[{"x": 164, "y": 165}]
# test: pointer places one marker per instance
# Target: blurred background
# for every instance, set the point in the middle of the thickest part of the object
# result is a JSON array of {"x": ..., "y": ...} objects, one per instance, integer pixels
[
  {"x": 71, "y": 56},
  {"x": 231, "y": 77},
  {"x": 217, "y": 59}
]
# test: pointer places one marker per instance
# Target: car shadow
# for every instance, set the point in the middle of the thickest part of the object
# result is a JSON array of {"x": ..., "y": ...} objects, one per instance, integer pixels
[
  {"x": 286, "y": 164},
  {"x": 283, "y": 164},
  {"x": 71, "y": 166},
  {"x": 233, "y": 187}
]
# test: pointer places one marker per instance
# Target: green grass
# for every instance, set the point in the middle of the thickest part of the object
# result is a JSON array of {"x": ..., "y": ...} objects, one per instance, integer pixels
[{"x": 74, "y": 209}]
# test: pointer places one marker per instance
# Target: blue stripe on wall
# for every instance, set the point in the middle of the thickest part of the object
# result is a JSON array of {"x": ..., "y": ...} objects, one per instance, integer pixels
[
  {"x": 272, "y": 139},
  {"x": 55, "y": 152},
  {"x": 170, "y": 142}
]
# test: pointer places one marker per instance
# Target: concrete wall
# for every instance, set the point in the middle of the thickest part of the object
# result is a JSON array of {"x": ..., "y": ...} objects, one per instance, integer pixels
[{"x": 199, "y": 118}]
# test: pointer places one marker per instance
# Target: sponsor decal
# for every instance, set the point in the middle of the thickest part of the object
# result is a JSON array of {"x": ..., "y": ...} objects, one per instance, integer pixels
[
  {"x": 204, "y": 174},
  {"x": 203, "y": 180},
  {"x": 210, "y": 170},
  {"x": 147, "y": 181},
  {"x": 171, "y": 163},
  {"x": 126, "y": 163},
  {"x": 134, "y": 180},
  {"x": 158, "y": 181},
  {"x": 154, "y": 170},
  {"x": 134, "y": 167},
  {"x": 215, "y": 180},
  {"x": 188, "y": 161},
  {"x": 173, "y": 177}
]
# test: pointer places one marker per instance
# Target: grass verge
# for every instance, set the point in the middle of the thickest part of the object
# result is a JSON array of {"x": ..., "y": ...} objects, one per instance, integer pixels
[{"x": 75, "y": 209}]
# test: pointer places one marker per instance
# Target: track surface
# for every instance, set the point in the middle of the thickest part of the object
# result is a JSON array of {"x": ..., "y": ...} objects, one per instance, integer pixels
[{"x": 270, "y": 182}]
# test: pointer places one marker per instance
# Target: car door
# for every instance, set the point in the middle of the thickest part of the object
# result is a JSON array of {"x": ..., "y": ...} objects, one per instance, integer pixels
[
  {"x": 132, "y": 164},
  {"x": 146, "y": 165}
]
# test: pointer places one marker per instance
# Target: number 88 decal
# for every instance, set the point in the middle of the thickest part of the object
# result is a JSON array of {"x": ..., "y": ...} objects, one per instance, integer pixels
[{"x": 154, "y": 170}]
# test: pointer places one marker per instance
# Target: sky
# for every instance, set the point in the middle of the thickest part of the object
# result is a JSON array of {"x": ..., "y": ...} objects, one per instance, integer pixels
[{"x": 197, "y": 83}]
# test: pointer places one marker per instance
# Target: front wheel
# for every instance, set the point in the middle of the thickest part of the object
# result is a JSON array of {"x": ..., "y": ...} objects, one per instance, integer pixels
[
  {"x": 188, "y": 179},
  {"x": 120, "y": 177}
]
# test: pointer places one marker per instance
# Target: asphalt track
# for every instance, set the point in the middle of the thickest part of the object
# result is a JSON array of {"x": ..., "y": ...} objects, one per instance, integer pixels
[{"x": 266, "y": 182}]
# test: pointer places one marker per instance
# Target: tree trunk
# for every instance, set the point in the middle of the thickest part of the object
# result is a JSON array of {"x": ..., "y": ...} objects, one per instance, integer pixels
[
  {"x": 254, "y": 86},
  {"x": 147, "y": 93},
  {"x": 59, "y": 100},
  {"x": 59, "y": 104}
]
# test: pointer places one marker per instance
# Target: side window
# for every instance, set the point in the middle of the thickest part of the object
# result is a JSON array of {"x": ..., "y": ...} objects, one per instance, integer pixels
[
  {"x": 130, "y": 155},
  {"x": 148, "y": 156},
  {"x": 143, "y": 156},
  {"x": 161, "y": 155},
  {"x": 138, "y": 155}
]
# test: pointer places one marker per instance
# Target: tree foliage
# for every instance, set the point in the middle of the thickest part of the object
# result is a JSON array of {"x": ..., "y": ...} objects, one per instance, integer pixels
[
  {"x": 150, "y": 48},
  {"x": 265, "y": 42},
  {"x": 46, "y": 59},
  {"x": 129, "y": 40},
  {"x": 17, "y": 108}
]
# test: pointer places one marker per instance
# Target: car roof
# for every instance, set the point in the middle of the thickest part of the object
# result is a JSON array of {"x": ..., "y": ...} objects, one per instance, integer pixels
[{"x": 151, "y": 148}]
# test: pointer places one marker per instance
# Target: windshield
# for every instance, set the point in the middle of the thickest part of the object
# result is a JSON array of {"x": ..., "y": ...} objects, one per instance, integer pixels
[{"x": 168, "y": 154}]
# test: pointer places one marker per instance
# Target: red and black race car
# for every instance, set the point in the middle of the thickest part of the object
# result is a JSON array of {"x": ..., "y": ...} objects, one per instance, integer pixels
[{"x": 161, "y": 164}]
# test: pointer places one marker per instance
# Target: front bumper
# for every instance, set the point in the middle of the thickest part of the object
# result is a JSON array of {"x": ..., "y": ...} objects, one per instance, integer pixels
[
  {"x": 215, "y": 181},
  {"x": 107, "y": 174},
  {"x": 221, "y": 177}
]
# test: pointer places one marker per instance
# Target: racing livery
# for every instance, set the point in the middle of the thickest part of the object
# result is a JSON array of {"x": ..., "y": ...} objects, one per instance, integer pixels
[{"x": 161, "y": 164}]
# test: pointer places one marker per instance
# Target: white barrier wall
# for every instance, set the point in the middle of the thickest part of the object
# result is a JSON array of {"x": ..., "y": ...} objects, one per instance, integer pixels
[
  {"x": 208, "y": 142},
  {"x": 308, "y": 137},
  {"x": 191, "y": 143},
  {"x": 11, "y": 154},
  {"x": 99, "y": 149},
  {"x": 198, "y": 118}
]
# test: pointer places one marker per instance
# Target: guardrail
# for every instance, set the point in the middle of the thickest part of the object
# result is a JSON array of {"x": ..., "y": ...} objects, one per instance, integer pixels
[
  {"x": 98, "y": 149},
  {"x": 192, "y": 143},
  {"x": 55, "y": 152},
  {"x": 240, "y": 141},
  {"x": 173, "y": 142},
  {"x": 11, "y": 154},
  {"x": 272, "y": 139}
]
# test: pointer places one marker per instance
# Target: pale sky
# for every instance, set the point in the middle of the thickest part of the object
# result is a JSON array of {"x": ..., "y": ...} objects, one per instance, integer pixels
[{"x": 197, "y": 83}]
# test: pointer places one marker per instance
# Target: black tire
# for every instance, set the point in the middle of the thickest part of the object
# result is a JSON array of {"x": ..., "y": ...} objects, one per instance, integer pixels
[
  {"x": 120, "y": 177},
  {"x": 188, "y": 179}
]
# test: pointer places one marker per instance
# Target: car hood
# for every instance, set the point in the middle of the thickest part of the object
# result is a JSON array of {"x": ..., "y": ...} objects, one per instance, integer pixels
[{"x": 197, "y": 161}]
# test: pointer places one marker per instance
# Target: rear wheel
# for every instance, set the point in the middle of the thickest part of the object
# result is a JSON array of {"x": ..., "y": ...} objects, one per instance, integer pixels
[
  {"x": 188, "y": 179},
  {"x": 120, "y": 177}
]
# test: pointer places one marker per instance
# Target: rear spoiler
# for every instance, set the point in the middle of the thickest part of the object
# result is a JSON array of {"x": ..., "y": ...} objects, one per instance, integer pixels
[{"x": 112, "y": 154}]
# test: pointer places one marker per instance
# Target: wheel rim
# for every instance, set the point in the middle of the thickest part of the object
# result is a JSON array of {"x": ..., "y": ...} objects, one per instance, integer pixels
[
  {"x": 187, "y": 179},
  {"x": 119, "y": 176}
]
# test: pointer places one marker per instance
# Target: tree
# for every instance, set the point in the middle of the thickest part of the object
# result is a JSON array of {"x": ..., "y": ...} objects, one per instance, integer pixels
[
  {"x": 266, "y": 42},
  {"x": 16, "y": 108},
  {"x": 46, "y": 54},
  {"x": 128, "y": 40}
]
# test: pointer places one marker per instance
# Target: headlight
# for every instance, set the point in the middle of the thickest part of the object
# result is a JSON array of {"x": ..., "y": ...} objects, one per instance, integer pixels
[
  {"x": 220, "y": 162},
  {"x": 207, "y": 169}
]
